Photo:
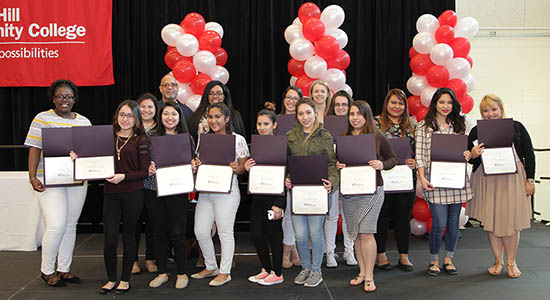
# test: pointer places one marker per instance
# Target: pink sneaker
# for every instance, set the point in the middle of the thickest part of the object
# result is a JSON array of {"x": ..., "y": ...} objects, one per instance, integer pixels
[
  {"x": 263, "y": 274},
  {"x": 272, "y": 279}
]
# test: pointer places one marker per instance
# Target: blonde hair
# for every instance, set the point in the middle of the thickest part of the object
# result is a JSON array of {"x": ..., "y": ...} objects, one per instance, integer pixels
[
  {"x": 490, "y": 100},
  {"x": 328, "y": 101}
]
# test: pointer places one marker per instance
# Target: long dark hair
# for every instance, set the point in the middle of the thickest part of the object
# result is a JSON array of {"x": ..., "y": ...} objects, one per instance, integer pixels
[
  {"x": 138, "y": 125},
  {"x": 180, "y": 128},
  {"x": 405, "y": 121},
  {"x": 226, "y": 113},
  {"x": 294, "y": 88},
  {"x": 340, "y": 93},
  {"x": 454, "y": 118},
  {"x": 202, "y": 108},
  {"x": 366, "y": 112}
]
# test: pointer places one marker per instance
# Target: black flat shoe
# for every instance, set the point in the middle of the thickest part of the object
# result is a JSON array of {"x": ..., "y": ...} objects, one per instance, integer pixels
[
  {"x": 384, "y": 267},
  {"x": 404, "y": 267},
  {"x": 121, "y": 291},
  {"x": 104, "y": 291},
  {"x": 432, "y": 272},
  {"x": 450, "y": 269}
]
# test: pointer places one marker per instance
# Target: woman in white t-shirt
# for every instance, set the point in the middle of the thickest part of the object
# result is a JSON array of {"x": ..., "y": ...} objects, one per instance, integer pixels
[{"x": 61, "y": 206}]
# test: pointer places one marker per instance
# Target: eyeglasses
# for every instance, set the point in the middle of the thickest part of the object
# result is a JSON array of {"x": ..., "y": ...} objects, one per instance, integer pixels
[
  {"x": 219, "y": 94},
  {"x": 127, "y": 116},
  {"x": 169, "y": 85},
  {"x": 295, "y": 99},
  {"x": 66, "y": 97}
]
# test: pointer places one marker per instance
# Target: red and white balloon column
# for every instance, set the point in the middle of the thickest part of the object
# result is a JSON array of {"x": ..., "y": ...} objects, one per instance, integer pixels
[
  {"x": 316, "y": 47},
  {"x": 439, "y": 58},
  {"x": 195, "y": 56}
]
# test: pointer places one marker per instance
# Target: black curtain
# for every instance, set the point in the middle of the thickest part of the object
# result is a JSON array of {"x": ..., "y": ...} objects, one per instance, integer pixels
[{"x": 380, "y": 34}]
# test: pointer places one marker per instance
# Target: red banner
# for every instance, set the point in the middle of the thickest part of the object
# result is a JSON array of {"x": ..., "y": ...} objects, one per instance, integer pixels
[{"x": 45, "y": 40}]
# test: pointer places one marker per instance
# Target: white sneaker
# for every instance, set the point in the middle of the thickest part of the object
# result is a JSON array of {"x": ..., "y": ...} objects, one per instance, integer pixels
[
  {"x": 331, "y": 260},
  {"x": 350, "y": 259}
]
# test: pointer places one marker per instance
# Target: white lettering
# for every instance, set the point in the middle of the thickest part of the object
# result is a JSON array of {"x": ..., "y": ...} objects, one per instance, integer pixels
[{"x": 53, "y": 30}]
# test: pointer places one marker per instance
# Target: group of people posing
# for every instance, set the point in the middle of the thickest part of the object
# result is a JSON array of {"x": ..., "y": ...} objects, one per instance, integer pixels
[{"x": 501, "y": 203}]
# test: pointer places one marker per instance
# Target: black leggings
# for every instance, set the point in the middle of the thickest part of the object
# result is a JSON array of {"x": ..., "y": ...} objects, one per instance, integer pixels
[
  {"x": 168, "y": 217},
  {"x": 397, "y": 207},
  {"x": 125, "y": 207},
  {"x": 263, "y": 231},
  {"x": 150, "y": 196}
]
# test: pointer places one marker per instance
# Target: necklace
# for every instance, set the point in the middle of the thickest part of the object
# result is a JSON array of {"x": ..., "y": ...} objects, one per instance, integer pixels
[{"x": 118, "y": 150}]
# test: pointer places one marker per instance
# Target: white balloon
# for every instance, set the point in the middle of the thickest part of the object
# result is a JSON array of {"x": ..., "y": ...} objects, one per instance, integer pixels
[
  {"x": 463, "y": 218},
  {"x": 423, "y": 42},
  {"x": 170, "y": 34},
  {"x": 204, "y": 61},
  {"x": 293, "y": 32},
  {"x": 293, "y": 80},
  {"x": 214, "y": 26},
  {"x": 427, "y": 95},
  {"x": 335, "y": 78},
  {"x": 347, "y": 89},
  {"x": 417, "y": 227},
  {"x": 458, "y": 68},
  {"x": 315, "y": 67},
  {"x": 466, "y": 27},
  {"x": 441, "y": 54},
  {"x": 339, "y": 35},
  {"x": 187, "y": 45},
  {"x": 333, "y": 16},
  {"x": 470, "y": 81},
  {"x": 297, "y": 22},
  {"x": 427, "y": 23},
  {"x": 416, "y": 84},
  {"x": 193, "y": 101},
  {"x": 301, "y": 49},
  {"x": 219, "y": 73},
  {"x": 184, "y": 91}
]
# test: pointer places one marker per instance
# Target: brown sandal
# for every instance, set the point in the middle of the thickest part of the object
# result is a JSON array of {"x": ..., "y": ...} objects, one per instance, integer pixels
[
  {"x": 357, "y": 280},
  {"x": 68, "y": 277},
  {"x": 52, "y": 280},
  {"x": 369, "y": 284}
]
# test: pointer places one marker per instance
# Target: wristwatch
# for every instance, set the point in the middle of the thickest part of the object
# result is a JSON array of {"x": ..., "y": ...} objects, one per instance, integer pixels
[{"x": 531, "y": 180}]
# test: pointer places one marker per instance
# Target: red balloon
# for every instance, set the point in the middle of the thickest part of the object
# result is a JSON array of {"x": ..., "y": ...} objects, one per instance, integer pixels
[
  {"x": 296, "y": 67},
  {"x": 327, "y": 47},
  {"x": 169, "y": 47},
  {"x": 414, "y": 104},
  {"x": 421, "y": 113},
  {"x": 184, "y": 71},
  {"x": 221, "y": 56},
  {"x": 171, "y": 57},
  {"x": 461, "y": 47},
  {"x": 420, "y": 64},
  {"x": 448, "y": 17},
  {"x": 470, "y": 60},
  {"x": 313, "y": 29},
  {"x": 421, "y": 211},
  {"x": 339, "y": 225},
  {"x": 304, "y": 83},
  {"x": 437, "y": 76},
  {"x": 412, "y": 52},
  {"x": 444, "y": 34},
  {"x": 193, "y": 23},
  {"x": 464, "y": 204},
  {"x": 210, "y": 40},
  {"x": 199, "y": 83},
  {"x": 341, "y": 61},
  {"x": 467, "y": 103},
  {"x": 307, "y": 11},
  {"x": 458, "y": 86}
]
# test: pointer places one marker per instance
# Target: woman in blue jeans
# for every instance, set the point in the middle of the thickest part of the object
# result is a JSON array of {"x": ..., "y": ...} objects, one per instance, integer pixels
[
  {"x": 307, "y": 137},
  {"x": 443, "y": 117}
]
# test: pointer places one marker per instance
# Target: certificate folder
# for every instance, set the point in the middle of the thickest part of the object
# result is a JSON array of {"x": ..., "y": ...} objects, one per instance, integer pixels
[
  {"x": 172, "y": 157},
  {"x": 399, "y": 179},
  {"x": 448, "y": 166},
  {"x": 216, "y": 152},
  {"x": 308, "y": 195},
  {"x": 268, "y": 175},
  {"x": 95, "y": 148},
  {"x": 497, "y": 136},
  {"x": 357, "y": 178},
  {"x": 337, "y": 125},
  {"x": 58, "y": 165},
  {"x": 285, "y": 123}
]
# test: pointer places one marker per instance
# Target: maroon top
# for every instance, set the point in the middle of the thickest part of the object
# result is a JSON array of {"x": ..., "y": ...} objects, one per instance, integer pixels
[{"x": 133, "y": 163}]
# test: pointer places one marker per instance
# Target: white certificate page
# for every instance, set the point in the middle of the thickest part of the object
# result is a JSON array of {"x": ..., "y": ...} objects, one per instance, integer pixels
[
  {"x": 357, "y": 180},
  {"x": 267, "y": 180},
  {"x": 451, "y": 175},
  {"x": 214, "y": 178},
  {"x": 309, "y": 200},
  {"x": 58, "y": 170},
  {"x": 94, "y": 168},
  {"x": 399, "y": 178},
  {"x": 498, "y": 161},
  {"x": 174, "y": 180}
]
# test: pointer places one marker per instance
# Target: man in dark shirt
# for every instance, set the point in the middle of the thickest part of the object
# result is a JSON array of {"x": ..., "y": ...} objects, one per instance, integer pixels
[{"x": 169, "y": 90}]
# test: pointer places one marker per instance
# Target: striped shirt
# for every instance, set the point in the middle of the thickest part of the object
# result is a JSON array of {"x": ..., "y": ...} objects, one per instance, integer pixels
[
  {"x": 49, "y": 119},
  {"x": 423, "y": 160}
]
